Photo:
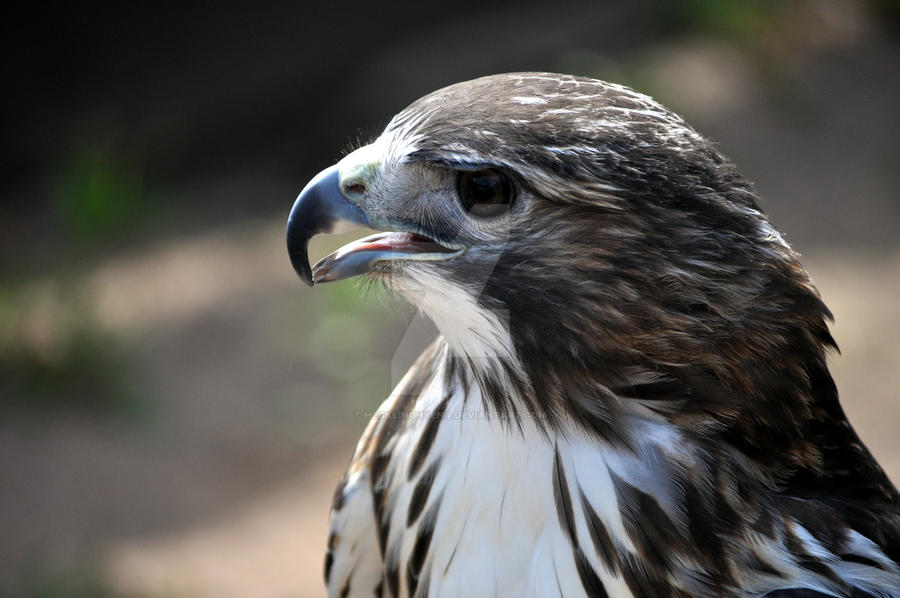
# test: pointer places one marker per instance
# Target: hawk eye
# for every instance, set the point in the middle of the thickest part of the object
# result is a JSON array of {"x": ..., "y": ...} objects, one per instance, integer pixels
[{"x": 484, "y": 192}]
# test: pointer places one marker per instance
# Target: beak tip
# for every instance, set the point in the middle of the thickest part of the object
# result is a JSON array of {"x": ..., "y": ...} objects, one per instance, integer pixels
[
  {"x": 301, "y": 267},
  {"x": 317, "y": 209},
  {"x": 297, "y": 252}
]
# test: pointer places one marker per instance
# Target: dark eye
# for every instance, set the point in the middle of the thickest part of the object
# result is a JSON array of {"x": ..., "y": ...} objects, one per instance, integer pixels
[{"x": 484, "y": 192}]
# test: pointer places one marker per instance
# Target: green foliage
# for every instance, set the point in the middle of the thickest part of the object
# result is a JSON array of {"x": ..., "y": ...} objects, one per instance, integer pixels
[
  {"x": 80, "y": 580},
  {"x": 54, "y": 355},
  {"x": 99, "y": 192},
  {"x": 343, "y": 336},
  {"x": 73, "y": 581},
  {"x": 736, "y": 20}
]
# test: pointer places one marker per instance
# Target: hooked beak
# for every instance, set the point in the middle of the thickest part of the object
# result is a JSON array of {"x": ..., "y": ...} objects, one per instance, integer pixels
[
  {"x": 323, "y": 208},
  {"x": 320, "y": 208}
]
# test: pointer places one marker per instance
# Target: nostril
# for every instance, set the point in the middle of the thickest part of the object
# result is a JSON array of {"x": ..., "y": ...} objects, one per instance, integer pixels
[{"x": 355, "y": 190}]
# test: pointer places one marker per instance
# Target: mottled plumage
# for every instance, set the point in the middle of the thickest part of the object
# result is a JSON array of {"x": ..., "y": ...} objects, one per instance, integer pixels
[{"x": 630, "y": 395}]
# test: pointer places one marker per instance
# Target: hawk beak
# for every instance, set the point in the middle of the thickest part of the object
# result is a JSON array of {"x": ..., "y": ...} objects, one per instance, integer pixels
[{"x": 320, "y": 208}]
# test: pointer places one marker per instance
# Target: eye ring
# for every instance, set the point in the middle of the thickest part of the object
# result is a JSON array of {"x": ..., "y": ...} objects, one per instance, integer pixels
[{"x": 484, "y": 193}]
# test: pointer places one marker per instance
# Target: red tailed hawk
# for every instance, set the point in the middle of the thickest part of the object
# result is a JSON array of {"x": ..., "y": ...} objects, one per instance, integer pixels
[{"x": 629, "y": 396}]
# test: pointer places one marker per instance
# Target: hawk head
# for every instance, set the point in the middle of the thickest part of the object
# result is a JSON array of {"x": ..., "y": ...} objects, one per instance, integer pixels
[{"x": 588, "y": 255}]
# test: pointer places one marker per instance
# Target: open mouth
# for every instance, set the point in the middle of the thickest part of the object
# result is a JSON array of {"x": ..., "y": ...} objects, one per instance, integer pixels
[
  {"x": 322, "y": 208},
  {"x": 360, "y": 256}
]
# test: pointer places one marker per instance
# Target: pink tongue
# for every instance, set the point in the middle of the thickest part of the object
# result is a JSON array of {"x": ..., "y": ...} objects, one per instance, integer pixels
[
  {"x": 393, "y": 242},
  {"x": 359, "y": 256}
]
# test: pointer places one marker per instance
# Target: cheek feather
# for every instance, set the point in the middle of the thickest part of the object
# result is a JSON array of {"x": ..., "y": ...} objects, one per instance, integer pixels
[{"x": 472, "y": 331}]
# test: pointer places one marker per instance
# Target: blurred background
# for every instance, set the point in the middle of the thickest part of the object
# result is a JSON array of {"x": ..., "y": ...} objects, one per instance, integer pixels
[{"x": 175, "y": 407}]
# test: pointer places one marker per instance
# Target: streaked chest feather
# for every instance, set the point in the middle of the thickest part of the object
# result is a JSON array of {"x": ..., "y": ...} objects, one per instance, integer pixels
[
  {"x": 445, "y": 499},
  {"x": 469, "y": 497}
]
